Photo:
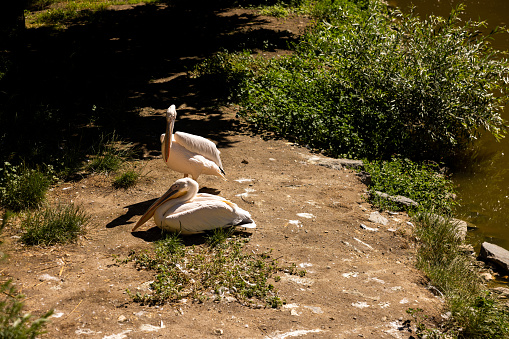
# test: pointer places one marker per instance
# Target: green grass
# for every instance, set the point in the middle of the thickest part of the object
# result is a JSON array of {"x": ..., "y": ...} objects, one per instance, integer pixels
[
  {"x": 54, "y": 225},
  {"x": 71, "y": 12},
  {"x": 127, "y": 179},
  {"x": 22, "y": 188},
  {"x": 474, "y": 312},
  {"x": 109, "y": 154},
  {"x": 221, "y": 265}
]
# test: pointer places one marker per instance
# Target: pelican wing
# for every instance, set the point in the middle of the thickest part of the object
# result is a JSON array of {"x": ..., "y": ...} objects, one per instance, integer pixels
[
  {"x": 200, "y": 145},
  {"x": 202, "y": 215}
]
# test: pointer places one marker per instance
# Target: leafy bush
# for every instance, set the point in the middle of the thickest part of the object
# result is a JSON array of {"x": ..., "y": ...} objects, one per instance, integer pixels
[
  {"x": 21, "y": 187},
  {"x": 52, "y": 225},
  {"x": 367, "y": 82},
  {"x": 13, "y": 324},
  {"x": 422, "y": 183}
]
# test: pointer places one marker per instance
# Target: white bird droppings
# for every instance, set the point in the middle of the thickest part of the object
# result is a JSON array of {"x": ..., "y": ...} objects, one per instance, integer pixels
[
  {"x": 297, "y": 333},
  {"x": 350, "y": 274},
  {"x": 360, "y": 304},
  {"x": 242, "y": 180},
  {"x": 151, "y": 328},
  {"x": 121, "y": 335},
  {"x": 306, "y": 215}
]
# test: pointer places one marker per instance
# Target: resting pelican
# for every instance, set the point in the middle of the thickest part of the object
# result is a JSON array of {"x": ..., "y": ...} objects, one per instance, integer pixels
[
  {"x": 182, "y": 209},
  {"x": 188, "y": 153}
]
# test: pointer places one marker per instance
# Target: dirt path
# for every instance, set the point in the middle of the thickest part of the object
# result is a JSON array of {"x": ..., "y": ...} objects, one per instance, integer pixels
[{"x": 360, "y": 281}]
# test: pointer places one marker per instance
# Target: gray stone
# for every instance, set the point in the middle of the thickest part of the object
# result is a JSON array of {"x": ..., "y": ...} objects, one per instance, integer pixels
[
  {"x": 495, "y": 254},
  {"x": 377, "y": 218},
  {"x": 336, "y": 164},
  {"x": 398, "y": 198}
]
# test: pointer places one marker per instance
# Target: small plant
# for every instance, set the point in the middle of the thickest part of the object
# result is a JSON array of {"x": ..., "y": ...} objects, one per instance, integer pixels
[
  {"x": 109, "y": 154},
  {"x": 422, "y": 183},
  {"x": 219, "y": 236},
  {"x": 14, "y": 324},
  {"x": 52, "y": 225},
  {"x": 219, "y": 265},
  {"x": 126, "y": 179},
  {"x": 21, "y": 187}
]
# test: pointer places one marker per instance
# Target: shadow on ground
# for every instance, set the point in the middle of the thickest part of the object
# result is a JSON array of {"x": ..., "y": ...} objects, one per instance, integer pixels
[{"x": 118, "y": 71}]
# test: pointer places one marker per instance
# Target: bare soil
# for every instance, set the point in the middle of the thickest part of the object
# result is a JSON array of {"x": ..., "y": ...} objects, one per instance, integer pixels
[{"x": 360, "y": 281}]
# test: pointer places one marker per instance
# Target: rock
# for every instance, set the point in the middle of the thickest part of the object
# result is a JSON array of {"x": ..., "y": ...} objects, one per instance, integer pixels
[
  {"x": 336, "y": 164},
  {"x": 495, "y": 254},
  {"x": 397, "y": 198},
  {"x": 365, "y": 178},
  {"x": 377, "y": 218}
]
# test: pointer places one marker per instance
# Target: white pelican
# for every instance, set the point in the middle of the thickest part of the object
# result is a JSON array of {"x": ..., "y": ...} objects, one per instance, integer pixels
[
  {"x": 182, "y": 209},
  {"x": 187, "y": 153}
]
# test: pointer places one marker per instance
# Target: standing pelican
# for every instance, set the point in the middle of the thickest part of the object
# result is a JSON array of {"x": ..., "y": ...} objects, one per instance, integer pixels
[
  {"x": 188, "y": 153},
  {"x": 182, "y": 209}
]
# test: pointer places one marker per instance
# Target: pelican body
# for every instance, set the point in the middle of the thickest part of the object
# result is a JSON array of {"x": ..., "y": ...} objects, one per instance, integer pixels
[
  {"x": 187, "y": 153},
  {"x": 182, "y": 209}
]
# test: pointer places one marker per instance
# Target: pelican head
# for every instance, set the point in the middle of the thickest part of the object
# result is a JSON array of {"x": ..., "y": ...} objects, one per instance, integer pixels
[
  {"x": 171, "y": 115},
  {"x": 181, "y": 187}
]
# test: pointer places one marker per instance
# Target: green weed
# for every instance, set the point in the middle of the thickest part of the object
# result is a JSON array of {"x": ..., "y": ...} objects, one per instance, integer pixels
[
  {"x": 21, "y": 187},
  {"x": 13, "y": 323},
  {"x": 215, "y": 270},
  {"x": 423, "y": 183},
  {"x": 52, "y": 225},
  {"x": 126, "y": 179}
]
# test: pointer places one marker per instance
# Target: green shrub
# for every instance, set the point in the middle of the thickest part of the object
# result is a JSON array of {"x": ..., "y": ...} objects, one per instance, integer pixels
[
  {"x": 368, "y": 82},
  {"x": 52, "y": 225},
  {"x": 21, "y": 187},
  {"x": 14, "y": 324}
]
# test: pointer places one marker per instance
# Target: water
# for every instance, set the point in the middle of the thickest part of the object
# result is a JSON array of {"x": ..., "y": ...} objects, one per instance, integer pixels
[{"x": 483, "y": 185}]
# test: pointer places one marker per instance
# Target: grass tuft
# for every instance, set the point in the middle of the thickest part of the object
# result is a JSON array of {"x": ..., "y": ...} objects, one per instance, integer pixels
[
  {"x": 22, "y": 188},
  {"x": 109, "y": 154},
  {"x": 54, "y": 225},
  {"x": 474, "y": 312}
]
